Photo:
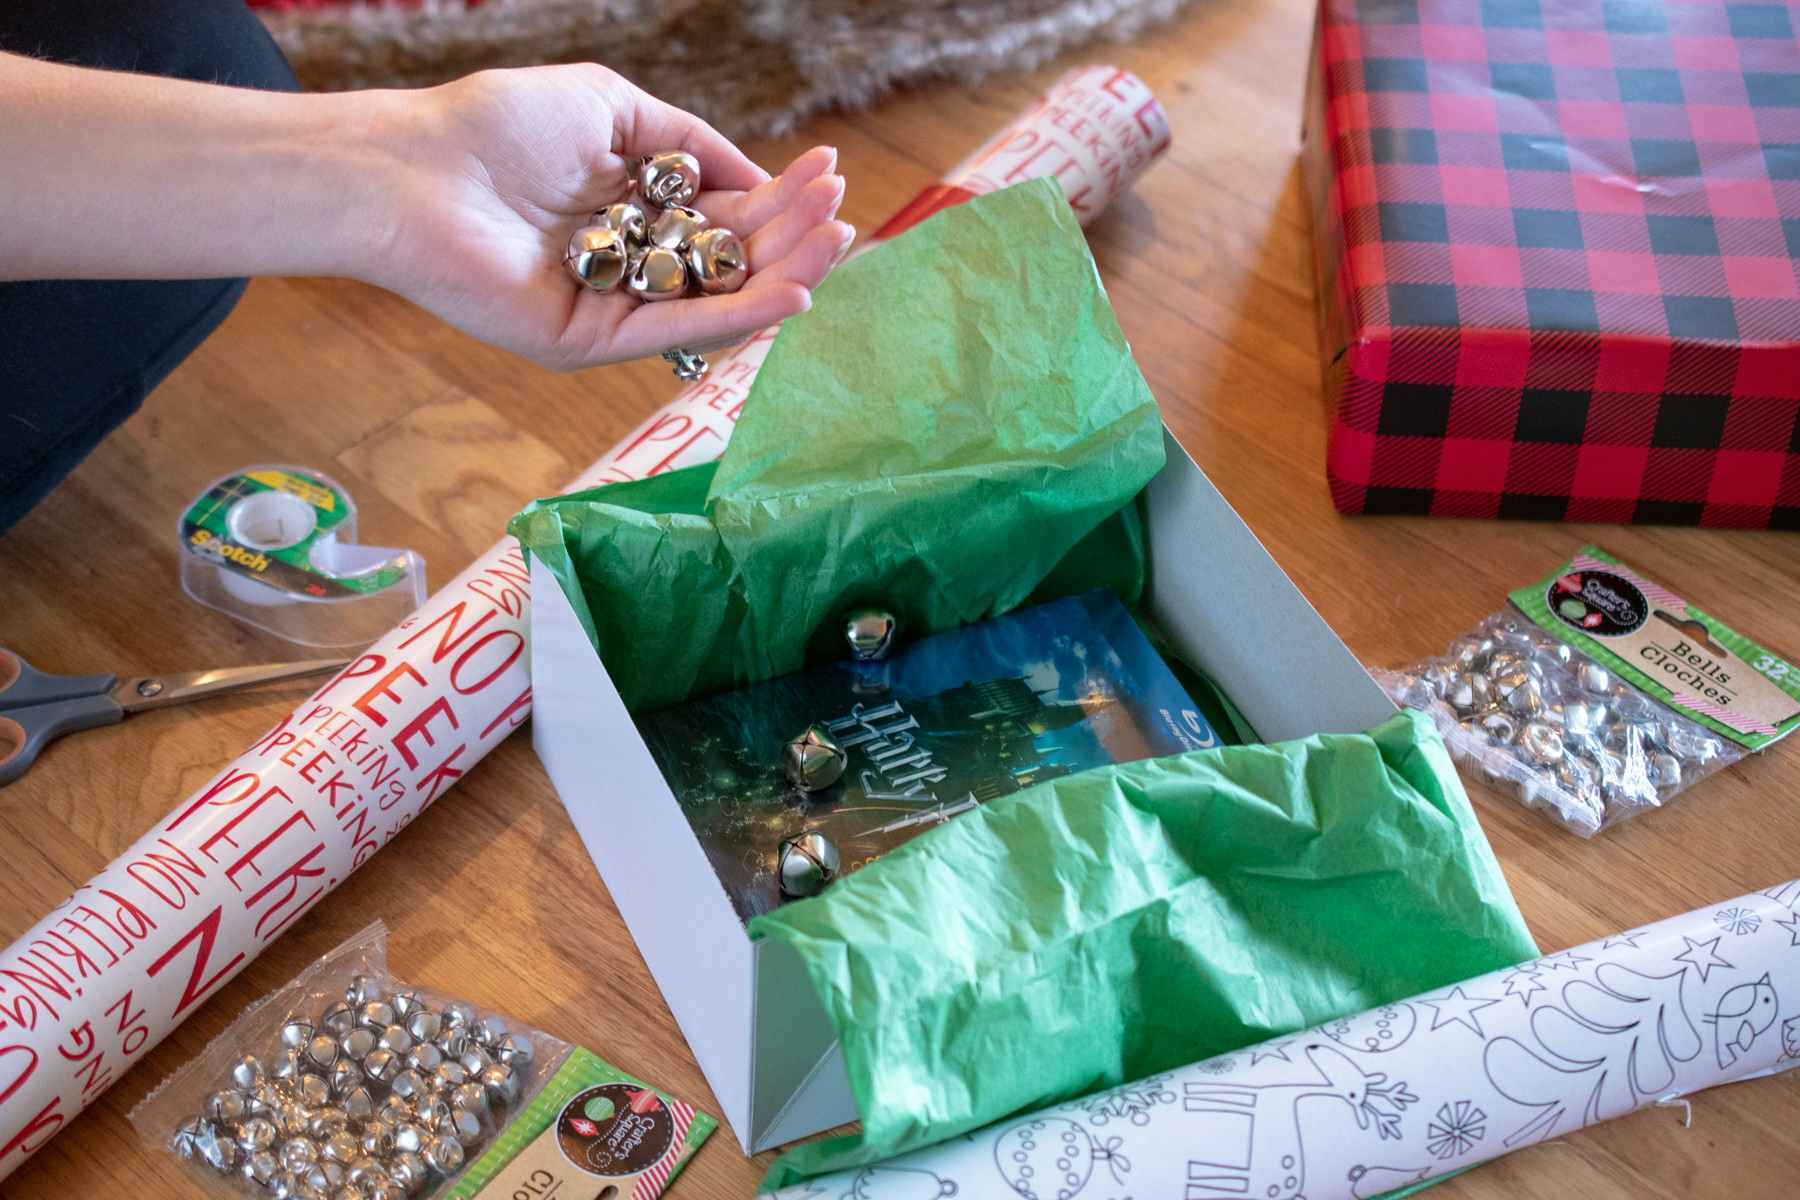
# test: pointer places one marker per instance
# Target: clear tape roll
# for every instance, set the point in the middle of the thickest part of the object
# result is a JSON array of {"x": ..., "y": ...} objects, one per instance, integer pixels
[
  {"x": 275, "y": 547},
  {"x": 106, "y": 975}
]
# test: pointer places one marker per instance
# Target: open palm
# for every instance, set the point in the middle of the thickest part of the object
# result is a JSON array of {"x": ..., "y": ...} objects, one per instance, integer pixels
[{"x": 498, "y": 169}]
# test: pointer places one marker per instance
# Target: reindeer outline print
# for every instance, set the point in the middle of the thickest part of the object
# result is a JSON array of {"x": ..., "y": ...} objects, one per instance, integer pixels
[{"x": 1264, "y": 1120}]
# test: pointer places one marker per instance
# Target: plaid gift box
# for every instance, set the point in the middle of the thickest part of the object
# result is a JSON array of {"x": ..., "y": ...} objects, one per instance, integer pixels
[{"x": 1557, "y": 247}]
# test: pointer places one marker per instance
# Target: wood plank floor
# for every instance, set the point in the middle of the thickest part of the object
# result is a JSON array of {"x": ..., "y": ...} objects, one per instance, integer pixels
[{"x": 441, "y": 439}]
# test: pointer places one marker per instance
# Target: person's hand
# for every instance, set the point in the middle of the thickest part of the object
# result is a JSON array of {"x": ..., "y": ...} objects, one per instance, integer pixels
[{"x": 495, "y": 171}]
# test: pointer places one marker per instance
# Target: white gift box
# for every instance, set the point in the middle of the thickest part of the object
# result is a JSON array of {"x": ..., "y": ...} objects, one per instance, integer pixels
[{"x": 747, "y": 1009}]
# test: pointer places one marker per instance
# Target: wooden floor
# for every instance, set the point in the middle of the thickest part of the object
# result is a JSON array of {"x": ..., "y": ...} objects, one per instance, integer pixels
[{"x": 441, "y": 439}]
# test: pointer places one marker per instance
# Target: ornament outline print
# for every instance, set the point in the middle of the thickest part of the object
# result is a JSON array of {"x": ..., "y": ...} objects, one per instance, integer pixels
[{"x": 1735, "y": 1018}]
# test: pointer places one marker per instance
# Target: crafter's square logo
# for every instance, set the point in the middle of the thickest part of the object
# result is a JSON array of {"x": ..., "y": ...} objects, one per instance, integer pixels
[{"x": 1598, "y": 602}]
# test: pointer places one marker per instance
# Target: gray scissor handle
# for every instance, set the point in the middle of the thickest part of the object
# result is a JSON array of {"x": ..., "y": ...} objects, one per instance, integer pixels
[
  {"x": 25, "y": 731},
  {"x": 36, "y": 707}
]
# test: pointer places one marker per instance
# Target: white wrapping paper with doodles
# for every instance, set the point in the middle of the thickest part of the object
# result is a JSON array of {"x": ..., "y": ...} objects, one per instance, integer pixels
[
  {"x": 107, "y": 974},
  {"x": 1408, "y": 1091}
]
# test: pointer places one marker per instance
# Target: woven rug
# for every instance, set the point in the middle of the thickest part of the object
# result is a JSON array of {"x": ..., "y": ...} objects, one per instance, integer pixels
[{"x": 748, "y": 66}]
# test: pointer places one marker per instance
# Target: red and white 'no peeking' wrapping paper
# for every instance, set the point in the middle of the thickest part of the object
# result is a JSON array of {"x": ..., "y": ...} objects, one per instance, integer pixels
[{"x": 104, "y": 977}]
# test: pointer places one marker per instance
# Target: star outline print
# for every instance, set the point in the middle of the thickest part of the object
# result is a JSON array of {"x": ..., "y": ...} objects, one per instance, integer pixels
[
  {"x": 1710, "y": 956},
  {"x": 1462, "y": 1008}
]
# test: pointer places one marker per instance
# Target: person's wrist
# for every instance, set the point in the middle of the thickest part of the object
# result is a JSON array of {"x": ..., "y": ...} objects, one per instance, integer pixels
[{"x": 352, "y": 171}]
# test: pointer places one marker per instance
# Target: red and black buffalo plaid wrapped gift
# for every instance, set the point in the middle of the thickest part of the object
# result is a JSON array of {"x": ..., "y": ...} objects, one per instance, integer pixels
[{"x": 1557, "y": 244}]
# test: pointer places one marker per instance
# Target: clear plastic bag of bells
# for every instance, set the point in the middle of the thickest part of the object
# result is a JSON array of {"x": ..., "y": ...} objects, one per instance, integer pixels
[
  {"x": 1525, "y": 711},
  {"x": 346, "y": 1082}
]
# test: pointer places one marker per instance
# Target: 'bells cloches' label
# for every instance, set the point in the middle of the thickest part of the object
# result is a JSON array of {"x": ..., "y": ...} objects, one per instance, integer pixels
[
  {"x": 1664, "y": 646},
  {"x": 593, "y": 1133}
]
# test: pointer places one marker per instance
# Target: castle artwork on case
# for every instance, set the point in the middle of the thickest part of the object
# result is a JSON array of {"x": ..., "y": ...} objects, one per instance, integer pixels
[{"x": 948, "y": 723}]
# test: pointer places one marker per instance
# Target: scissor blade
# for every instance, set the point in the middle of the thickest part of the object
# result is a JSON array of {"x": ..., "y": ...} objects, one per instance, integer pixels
[{"x": 159, "y": 691}]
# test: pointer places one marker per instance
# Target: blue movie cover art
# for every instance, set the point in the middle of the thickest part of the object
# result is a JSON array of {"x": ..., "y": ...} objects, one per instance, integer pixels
[{"x": 950, "y": 722}]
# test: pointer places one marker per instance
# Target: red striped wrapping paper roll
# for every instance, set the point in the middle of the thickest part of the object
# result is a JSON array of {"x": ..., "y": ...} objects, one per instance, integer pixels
[{"x": 106, "y": 975}]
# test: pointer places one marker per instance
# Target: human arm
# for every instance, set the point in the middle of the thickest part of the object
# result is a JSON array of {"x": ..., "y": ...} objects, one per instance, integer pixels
[{"x": 460, "y": 198}]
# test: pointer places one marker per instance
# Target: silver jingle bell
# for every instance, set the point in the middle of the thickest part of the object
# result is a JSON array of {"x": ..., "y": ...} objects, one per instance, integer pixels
[
  {"x": 717, "y": 262},
  {"x": 424, "y": 1024},
  {"x": 346, "y": 1077},
  {"x": 458, "y": 1016},
  {"x": 363, "y": 989},
  {"x": 357, "y": 1044},
  {"x": 365, "y": 1173},
  {"x": 359, "y": 1103},
  {"x": 672, "y": 177},
  {"x": 476, "y": 1059},
  {"x": 424, "y": 1058},
  {"x": 410, "y": 1137},
  {"x": 324, "y": 1176},
  {"x": 806, "y": 864},
  {"x": 291, "y": 1119},
  {"x": 597, "y": 258},
  {"x": 1524, "y": 695},
  {"x": 515, "y": 1050},
  {"x": 454, "y": 1042},
  {"x": 626, "y": 218},
  {"x": 248, "y": 1072},
  {"x": 343, "y": 1147},
  {"x": 324, "y": 1121},
  {"x": 217, "y": 1151},
  {"x": 322, "y": 1051},
  {"x": 229, "y": 1105},
  {"x": 814, "y": 760},
  {"x": 676, "y": 227},
  {"x": 500, "y": 1084},
  {"x": 463, "y": 1125},
  {"x": 291, "y": 1062},
  {"x": 488, "y": 1030},
  {"x": 382, "y": 1065},
  {"x": 659, "y": 275},
  {"x": 870, "y": 633},
  {"x": 689, "y": 367},
  {"x": 376, "y": 1014},
  {"x": 449, "y": 1075},
  {"x": 295, "y": 1034},
  {"x": 1471, "y": 694},
  {"x": 256, "y": 1133},
  {"x": 469, "y": 1097},
  {"x": 407, "y": 1001},
  {"x": 338, "y": 1020},
  {"x": 1505, "y": 661},
  {"x": 299, "y": 1153},
  {"x": 443, "y": 1154},
  {"x": 1542, "y": 743},
  {"x": 1469, "y": 653},
  {"x": 260, "y": 1167},
  {"x": 408, "y": 1085},
  {"x": 1498, "y": 726},
  {"x": 314, "y": 1091},
  {"x": 407, "y": 1171},
  {"x": 1439, "y": 677},
  {"x": 1665, "y": 772},
  {"x": 1592, "y": 677},
  {"x": 396, "y": 1038}
]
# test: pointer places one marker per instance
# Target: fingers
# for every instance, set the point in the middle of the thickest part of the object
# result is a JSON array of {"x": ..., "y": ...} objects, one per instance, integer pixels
[
  {"x": 654, "y": 125},
  {"x": 746, "y": 212},
  {"x": 810, "y": 260},
  {"x": 654, "y": 328},
  {"x": 816, "y": 204}
]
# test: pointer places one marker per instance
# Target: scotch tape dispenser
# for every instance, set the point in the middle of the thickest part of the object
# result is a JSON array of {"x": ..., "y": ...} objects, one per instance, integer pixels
[{"x": 275, "y": 547}]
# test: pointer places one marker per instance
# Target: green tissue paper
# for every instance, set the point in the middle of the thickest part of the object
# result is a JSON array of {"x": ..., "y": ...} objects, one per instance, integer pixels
[
  {"x": 1109, "y": 925},
  {"x": 956, "y": 415}
]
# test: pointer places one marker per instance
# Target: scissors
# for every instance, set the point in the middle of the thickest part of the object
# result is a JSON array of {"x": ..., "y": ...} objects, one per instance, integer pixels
[{"x": 36, "y": 707}]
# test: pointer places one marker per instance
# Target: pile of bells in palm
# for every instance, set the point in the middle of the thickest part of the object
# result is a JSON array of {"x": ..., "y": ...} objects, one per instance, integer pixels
[
  {"x": 814, "y": 760},
  {"x": 656, "y": 247}
]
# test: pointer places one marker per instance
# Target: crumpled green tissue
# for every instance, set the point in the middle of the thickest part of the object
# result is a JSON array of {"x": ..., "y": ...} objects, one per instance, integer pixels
[
  {"x": 957, "y": 413},
  {"x": 1100, "y": 928}
]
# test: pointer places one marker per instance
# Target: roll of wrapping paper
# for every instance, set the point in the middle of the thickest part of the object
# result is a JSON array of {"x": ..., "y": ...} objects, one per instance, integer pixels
[
  {"x": 1411, "y": 1090},
  {"x": 100, "y": 980}
]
